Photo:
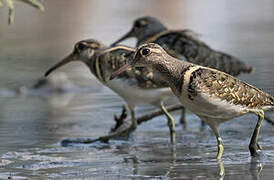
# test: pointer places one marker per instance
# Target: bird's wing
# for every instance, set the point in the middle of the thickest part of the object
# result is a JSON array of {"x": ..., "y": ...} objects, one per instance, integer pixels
[{"x": 226, "y": 87}]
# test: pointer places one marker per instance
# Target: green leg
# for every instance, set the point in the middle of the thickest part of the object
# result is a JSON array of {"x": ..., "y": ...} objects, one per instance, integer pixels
[
  {"x": 133, "y": 119},
  {"x": 219, "y": 141},
  {"x": 183, "y": 117},
  {"x": 170, "y": 124},
  {"x": 254, "y": 147}
]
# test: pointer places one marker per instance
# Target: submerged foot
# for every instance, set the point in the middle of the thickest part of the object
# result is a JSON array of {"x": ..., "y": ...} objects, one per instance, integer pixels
[
  {"x": 255, "y": 150},
  {"x": 120, "y": 120}
]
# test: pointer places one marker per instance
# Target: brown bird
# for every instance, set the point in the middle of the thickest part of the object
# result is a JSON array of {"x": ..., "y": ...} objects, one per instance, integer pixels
[
  {"x": 135, "y": 86},
  {"x": 183, "y": 44},
  {"x": 214, "y": 96}
]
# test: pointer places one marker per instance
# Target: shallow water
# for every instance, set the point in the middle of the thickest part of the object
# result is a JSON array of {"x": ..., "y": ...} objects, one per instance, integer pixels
[{"x": 32, "y": 125}]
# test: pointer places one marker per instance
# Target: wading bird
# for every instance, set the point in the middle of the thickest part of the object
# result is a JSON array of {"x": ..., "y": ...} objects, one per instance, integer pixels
[
  {"x": 135, "y": 86},
  {"x": 212, "y": 95}
]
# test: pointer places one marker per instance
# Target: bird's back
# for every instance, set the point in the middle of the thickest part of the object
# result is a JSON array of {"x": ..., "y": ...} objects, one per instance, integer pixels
[
  {"x": 181, "y": 44},
  {"x": 225, "y": 87}
]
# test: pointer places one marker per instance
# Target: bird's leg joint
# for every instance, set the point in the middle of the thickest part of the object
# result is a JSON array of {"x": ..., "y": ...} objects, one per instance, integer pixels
[{"x": 254, "y": 147}]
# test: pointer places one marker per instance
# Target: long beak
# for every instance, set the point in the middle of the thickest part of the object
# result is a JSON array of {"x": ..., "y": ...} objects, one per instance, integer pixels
[
  {"x": 119, "y": 71},
  {"x": 66, "y": 60},
  {"x": 127, "y": 35}
]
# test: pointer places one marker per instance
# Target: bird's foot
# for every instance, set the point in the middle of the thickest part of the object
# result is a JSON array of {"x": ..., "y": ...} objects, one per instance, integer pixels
[
  {"x": 255, "y": 150},
  {"x": 120, "y": 120}
]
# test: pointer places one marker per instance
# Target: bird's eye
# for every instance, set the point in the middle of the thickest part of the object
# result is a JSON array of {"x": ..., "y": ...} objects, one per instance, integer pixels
[
  {"x": 145, "y": 52},
  {"x": 81, "y": 46},
  {"x": 138, "y": 24},
  {"x": 141, "y": 23}
]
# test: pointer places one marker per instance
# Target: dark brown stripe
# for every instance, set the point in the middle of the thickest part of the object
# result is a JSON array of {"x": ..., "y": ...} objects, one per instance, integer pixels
[
  {"x": 100, "y": 68},
  {"x": 92, "y": 64},
  {"x": 179, "y": 84},
  {"x": 191, "y": 85},
  {"x": 97, "y": 74}
]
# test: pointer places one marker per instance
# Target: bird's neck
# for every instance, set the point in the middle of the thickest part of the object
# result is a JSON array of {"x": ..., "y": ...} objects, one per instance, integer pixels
[
  {"x": 93, "y": 67},
  {"x": 171, "y": 71}
]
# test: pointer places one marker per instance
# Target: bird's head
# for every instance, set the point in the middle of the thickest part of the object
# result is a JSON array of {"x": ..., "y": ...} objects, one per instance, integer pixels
[
  {"x": 147, "y": 55},
  {"x": 83, "y": 51},
  {"x": 143, "y": 28}
]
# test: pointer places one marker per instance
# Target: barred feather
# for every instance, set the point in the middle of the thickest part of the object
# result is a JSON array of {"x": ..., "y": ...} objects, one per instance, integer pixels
[{"x": 228, "y": 88}]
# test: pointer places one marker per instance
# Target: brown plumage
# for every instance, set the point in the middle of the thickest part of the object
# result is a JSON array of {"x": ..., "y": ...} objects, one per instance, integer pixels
[
  {"x": 136, "y": 86},
  {"x": 228, "y": 88},
  {"x": 111, "y": 59},
  {"x": 183, "y": 44},
  {"x": 212, "y": 95}
]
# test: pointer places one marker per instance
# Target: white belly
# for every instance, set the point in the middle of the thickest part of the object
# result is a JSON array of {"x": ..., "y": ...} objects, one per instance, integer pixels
[
  {"x": 212, "y": 108},
  {"x": 134, "y": 95}
]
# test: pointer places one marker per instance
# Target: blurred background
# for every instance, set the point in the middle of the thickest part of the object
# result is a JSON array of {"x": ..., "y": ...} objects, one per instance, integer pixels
[{"x": 32, "y": 123}]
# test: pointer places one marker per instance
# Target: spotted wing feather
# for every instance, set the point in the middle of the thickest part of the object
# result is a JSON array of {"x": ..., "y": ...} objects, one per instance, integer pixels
[{"x": 228, "y": 88}]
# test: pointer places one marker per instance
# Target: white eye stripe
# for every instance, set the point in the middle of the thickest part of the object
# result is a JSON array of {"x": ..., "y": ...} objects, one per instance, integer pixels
[{"x": 157, "y": 51}]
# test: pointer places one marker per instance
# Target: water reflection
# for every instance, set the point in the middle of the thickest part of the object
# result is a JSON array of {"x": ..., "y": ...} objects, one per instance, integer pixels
[
  {"x": 256, "y": 167},
  {"x": 173, "y": 160},
  {"x": 168, "y": 166}
]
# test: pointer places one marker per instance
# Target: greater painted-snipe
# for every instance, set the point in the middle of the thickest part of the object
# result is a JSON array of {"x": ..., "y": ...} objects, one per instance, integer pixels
[
  {"x": 135, "y": 86},
  {"x": 212, "y": 95}
]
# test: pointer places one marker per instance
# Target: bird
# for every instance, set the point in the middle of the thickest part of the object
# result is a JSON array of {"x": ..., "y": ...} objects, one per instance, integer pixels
[
  {"x": 214, "y": 96},
  {"x": 135, "y": 86},
  {"x": 183, "y": 44}
]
